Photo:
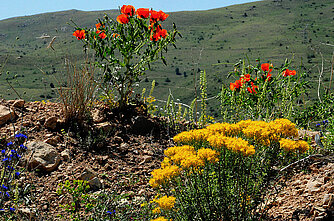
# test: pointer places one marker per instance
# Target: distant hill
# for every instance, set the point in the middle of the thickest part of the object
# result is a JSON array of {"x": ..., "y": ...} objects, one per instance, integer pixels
[{"x": 269, "y": 30}]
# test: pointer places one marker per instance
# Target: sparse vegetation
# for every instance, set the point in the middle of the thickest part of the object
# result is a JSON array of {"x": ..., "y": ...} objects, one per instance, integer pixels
[{"x": 222, "y": 154}]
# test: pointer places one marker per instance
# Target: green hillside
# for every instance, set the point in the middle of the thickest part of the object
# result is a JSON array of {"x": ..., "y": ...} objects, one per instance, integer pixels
[{"x": 269, "y": 30}]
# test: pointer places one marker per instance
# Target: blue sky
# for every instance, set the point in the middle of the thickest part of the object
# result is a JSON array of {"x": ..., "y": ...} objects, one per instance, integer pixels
[{"x": 14, "y": 8}]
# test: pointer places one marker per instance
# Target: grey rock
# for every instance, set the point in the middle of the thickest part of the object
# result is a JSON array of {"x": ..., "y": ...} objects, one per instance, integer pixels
[
  {"x": 95, "y": 183},
  {"x": 44, "y": 156},
  {"x": 6, "y": 114},
  {"x": 91, "y": 177}
]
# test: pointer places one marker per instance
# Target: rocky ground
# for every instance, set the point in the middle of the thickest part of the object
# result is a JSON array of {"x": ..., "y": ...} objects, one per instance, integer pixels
[{"x": 132, "y": 147}]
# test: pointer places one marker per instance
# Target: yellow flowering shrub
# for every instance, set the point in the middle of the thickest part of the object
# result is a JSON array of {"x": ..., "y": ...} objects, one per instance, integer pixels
[
  {"x": 177, "y": 153},
  {"x": 208, "y": 155},
  {"x": 191, "y": 160},
  {"x": 247, "y": 150},
  {"x": 231, "y": 143},
  {"x": 187, "y": 137},
  {"x": 291, "y": 145},
  {"x": 165, "y": 202},
  {"x": 225, "y": 129},
  {"x": 162, "y": 175}
]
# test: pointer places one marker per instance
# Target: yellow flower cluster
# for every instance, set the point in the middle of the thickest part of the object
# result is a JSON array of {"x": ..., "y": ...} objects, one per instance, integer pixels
[
  {"x": 187, "y": 157},
  {"x": 232, "y": 143},
  {"x": 164, "y": 203},
  {"x": 225, "y": 129},
  {"x": 265, "y": 133},
  {"x": 208, "y": 155},
  {"x": 187, "y": 137},
  {"x": 161, "y": 218},
  {"x": 180, "y": 158},
  {"x": 163, "y": 175},
  {"x": 291, "y": 145},
  {"x": 178, "y": 153},
  {"x": 223, "y": 135}
]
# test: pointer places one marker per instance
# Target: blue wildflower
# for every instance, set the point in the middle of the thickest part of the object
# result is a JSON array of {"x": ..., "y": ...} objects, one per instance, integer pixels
[
  {"x": 11, "y": 168},
  {"x": 10, "y": 143},
  {"x": 325, "y": 121},
  {"x": 3, "y": 151},
  {"x": 13, "y": 151},
  {"x": 17, "y": 173},
  {"x": 12, "y": 209},
  {"x": 7, "y": 194},
  {"x": 109, "y": 212},
  {"x": 318, "y": 125},
  {"x": 2, "y": 209},
  {"x": 20, "y": 135},
  {"x": 23, "y": 147},
  {"x": 4, "y": 187}
]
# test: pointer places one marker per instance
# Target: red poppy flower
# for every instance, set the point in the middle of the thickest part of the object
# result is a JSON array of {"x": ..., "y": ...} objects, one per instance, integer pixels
[
  {"x": 232, "y": 86},
  {"x": 155, "y": 36},
  {"x": 163, "y": 33},
  {"x": 247, "y": 77},
  {"x": 115, "y": 35},
  {"x": 102, "y": 35},
  {"x": 162, "y": 15},
  {"x": 154, "y": 16},
  {"x": 143, "y": 12},
  {"x": 238, "y": 84},
  {"x": 123, "y": 19},
  {"x": 288, "y": 72},
  {"x": 128, "y": 10},
  {"x": 267, "y": 67},
  {"x": 79, "y": 34},
  {"x": 98, "y": 26}
]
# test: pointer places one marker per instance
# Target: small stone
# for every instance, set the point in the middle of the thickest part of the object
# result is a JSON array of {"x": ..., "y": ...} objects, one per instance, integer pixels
[
  {"x": 65, "y": 155},
  {"x": 319, "y": 218},
  {"x": 313, "y": 186},
  {"x": 27, "y": 212},
  {"x": 95, "y": 183},
  {"x": 19, "y": 103},
  {"x": 87, "y": 174},
  {"x": 51, "y": 123},
  {"x": 53, "y": 140},
  {"x": 141, "y": 192},
  {"x": 6, "y": 115},
  {"x": 45, "y": 207},
  {"x": 98, "y": 116},
  {"x": 104, "y": 126}
]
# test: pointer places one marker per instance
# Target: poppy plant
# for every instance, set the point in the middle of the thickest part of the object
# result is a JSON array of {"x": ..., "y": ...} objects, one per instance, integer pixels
[
  {"x": 132, "y": 28},
  {"x": 162, "y": 16},
  {"x": 143, "y": 12},
  {"x": 99, "y": 25},
  {"x": 123, "y": 19},
  {"x": 267, "y": 67},
  {"x": 102, "y": 35},
  {"x": 158, "y": 33},
  {"x": 79, "y": 34},
  {"x": 288, "y": 72},
  {"x": 128, "y": 10}
]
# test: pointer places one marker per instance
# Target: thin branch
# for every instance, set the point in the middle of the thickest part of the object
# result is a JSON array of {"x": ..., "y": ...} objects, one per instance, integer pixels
[
  {"x": 301, "y": 160},
  {"x": 320, "y": 75}
]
